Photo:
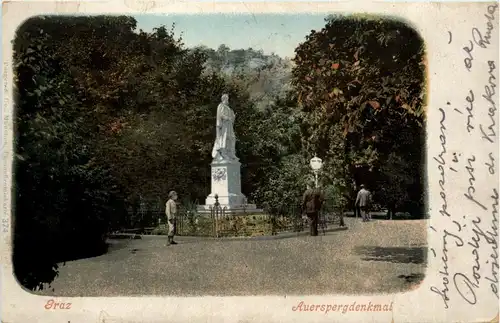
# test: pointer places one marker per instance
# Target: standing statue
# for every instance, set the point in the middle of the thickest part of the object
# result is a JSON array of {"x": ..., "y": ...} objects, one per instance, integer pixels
[{"x": 225, "y": 139}]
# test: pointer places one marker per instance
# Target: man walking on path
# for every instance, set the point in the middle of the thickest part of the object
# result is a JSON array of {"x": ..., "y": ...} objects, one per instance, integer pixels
[
  {"x": 171, "y": 212},
  {"x": 363, "y": 201},
  {"x": 311, "y": 205}
]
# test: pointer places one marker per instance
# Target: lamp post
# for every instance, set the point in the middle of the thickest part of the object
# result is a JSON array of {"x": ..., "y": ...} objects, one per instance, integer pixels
[{"x": 316, "y": 164}]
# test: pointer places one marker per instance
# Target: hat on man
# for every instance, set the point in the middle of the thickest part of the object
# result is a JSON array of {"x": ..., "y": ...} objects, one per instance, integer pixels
[{"x": 171, "y": 194}]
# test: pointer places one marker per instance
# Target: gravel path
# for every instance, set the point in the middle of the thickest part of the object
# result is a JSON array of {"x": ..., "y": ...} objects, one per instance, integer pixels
[{"x": 375, "y": 257}]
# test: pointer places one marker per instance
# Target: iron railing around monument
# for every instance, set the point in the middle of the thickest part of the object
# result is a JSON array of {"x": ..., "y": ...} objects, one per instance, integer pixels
[
  {"x": 220, "y": 222},
  {"x": 191, "y": 223},
  {"x": 149, "y": 218},
  {"x": 293, "y": 220}
]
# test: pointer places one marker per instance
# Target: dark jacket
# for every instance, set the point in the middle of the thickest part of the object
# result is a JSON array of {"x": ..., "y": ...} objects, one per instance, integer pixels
[{"x": 312, "y": 201}]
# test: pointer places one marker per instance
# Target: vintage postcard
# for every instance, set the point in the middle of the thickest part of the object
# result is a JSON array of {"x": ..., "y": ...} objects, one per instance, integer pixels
[{"x": 249, "y": 162}]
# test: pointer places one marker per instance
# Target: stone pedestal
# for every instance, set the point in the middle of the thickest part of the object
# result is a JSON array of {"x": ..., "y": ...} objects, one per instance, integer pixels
[{"x": 226, "y": 184}]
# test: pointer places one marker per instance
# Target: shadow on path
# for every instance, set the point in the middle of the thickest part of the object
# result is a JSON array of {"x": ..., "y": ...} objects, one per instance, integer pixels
[
  {"x": 413, "y": 278},
  {"x": 415, "y": 255}
]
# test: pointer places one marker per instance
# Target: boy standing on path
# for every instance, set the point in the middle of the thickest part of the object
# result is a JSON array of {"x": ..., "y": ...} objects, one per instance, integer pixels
[{"x": 171, "y": 212}]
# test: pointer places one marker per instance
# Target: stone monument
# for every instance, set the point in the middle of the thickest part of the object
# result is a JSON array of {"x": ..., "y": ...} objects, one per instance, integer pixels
[{"x": 226, "y": 177}]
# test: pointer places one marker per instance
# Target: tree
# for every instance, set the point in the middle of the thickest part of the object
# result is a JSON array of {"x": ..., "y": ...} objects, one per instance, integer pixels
[
  {"x": 62, "y": 197},
  {"x": 361, "y": 79}
]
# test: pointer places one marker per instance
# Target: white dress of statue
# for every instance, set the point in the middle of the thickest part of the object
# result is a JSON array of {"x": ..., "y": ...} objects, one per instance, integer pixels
[
  {"x": 225, "y": 139},
  {"x": 226, "y": 176}
]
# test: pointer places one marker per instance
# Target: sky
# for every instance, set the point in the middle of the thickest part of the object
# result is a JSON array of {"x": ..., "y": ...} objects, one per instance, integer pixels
[{"x": 273, "y": 33}]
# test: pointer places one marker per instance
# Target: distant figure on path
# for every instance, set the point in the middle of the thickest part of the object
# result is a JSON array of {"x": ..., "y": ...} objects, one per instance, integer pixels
[
  {"x": 171, "y": 212},
  {"x": 311, "y": 205},
  {"x": 225, "y": 139},
  {"x": 363, "y": 201}
]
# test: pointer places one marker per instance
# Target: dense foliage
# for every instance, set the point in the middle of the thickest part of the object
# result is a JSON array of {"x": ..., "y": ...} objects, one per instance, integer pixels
[
  {"x": 360, "y": 83},
  {"x": 109, "y": 119}
]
